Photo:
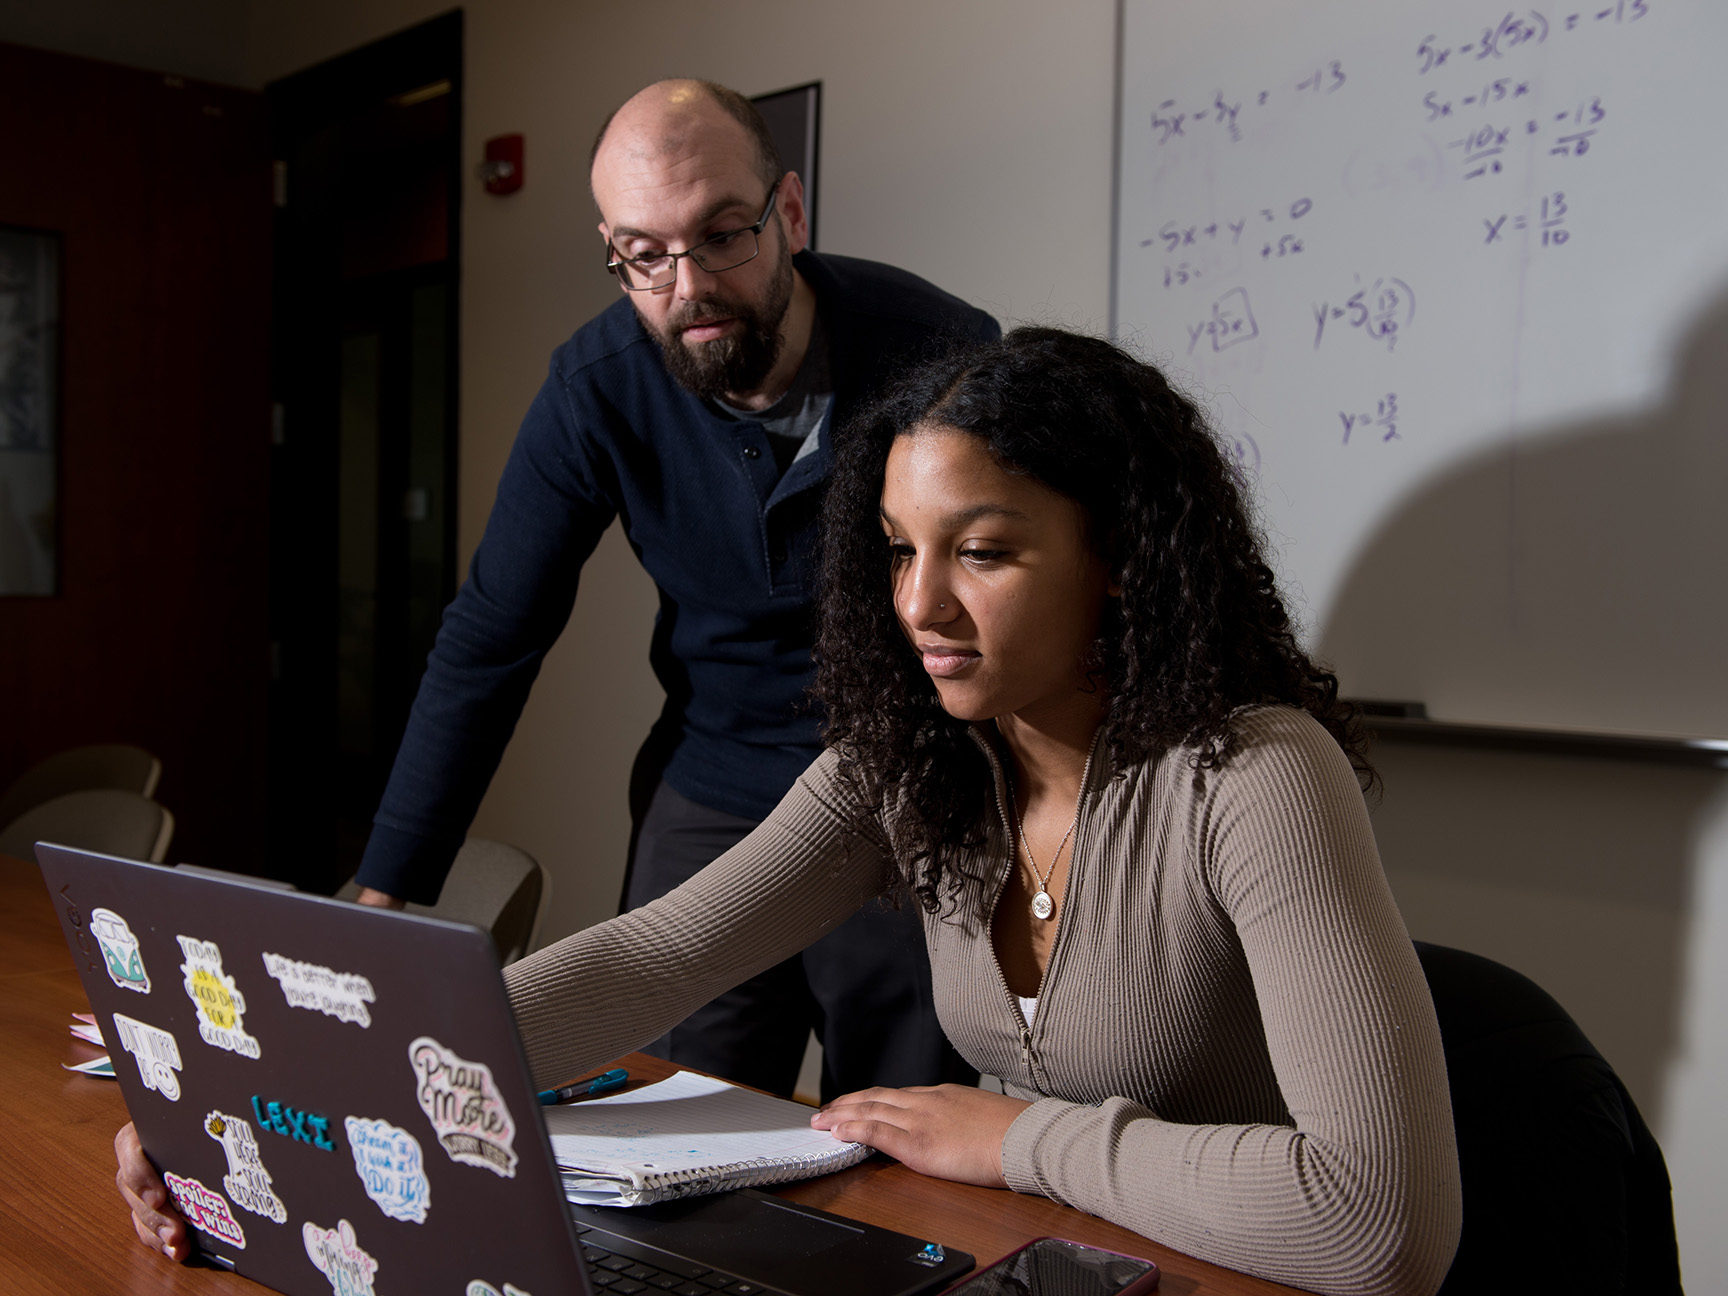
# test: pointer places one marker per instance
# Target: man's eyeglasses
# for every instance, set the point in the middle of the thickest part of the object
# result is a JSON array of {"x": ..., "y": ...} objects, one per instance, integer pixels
[{"x": 726, "y": 251}]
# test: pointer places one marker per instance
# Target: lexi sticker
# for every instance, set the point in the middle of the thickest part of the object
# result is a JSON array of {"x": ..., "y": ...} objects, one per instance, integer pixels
[
  {"x": 295, "y": 1123},
  {"x": 339, "y": 1257},
  {"x": 480, "y": 1287},
  {"x": 342, "y": 995},
  {"x": 119, "y": 951},
  {"x": 205, "y": 1210},
  {"x": 219, "y": 1004},
  {"x": 247, "y": 1182},
  {"x": 157, "y": 1054},
  {"x": 387, "y": 1158},
  {"x": 466, "y": 1110}
]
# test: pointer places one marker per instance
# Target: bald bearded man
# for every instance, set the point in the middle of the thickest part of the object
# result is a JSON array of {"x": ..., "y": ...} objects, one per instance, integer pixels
[{"x": 700, "y": 409}]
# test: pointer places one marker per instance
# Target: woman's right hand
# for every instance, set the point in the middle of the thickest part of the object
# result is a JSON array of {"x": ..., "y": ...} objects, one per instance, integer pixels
[{"x": 159, "y": 1226}]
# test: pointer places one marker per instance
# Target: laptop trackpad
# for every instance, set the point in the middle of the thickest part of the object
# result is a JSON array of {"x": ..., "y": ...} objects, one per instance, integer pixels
[
  {"x": 746, "y": 1234},
  {"x": 776, "y": 1243}
]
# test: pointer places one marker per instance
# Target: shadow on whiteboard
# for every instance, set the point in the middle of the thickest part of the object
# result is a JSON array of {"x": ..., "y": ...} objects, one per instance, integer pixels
[
  {"x": 1578, "y": 577},
  {"x": 1575, "y": 576}
]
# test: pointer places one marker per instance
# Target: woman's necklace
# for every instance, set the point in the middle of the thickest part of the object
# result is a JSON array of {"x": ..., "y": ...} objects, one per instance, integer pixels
[{"x": 1042, "y": 905}]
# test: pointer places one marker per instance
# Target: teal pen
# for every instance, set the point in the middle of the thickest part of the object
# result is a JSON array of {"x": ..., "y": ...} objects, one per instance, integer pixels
[{"x": 605, "y": 1082}]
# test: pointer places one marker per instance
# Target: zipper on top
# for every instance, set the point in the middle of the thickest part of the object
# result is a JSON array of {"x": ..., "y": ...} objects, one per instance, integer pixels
[{"x": 1027, "y": 1057}]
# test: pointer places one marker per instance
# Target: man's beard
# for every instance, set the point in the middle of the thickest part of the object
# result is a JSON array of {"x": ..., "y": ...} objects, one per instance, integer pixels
[{"x": 740, "y": 363}]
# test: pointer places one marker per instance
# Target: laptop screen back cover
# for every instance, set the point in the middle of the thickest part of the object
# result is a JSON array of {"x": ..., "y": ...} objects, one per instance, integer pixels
[{"x": 337, "y": 1096}]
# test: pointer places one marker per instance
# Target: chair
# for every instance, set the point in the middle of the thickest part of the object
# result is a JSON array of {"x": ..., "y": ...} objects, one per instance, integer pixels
[
  {"x": 106, "y": 820},
  {"x": 1564, "y": 1186},
  {"x": 494, "y": 886},
  {"x": 107, "y": 765}
]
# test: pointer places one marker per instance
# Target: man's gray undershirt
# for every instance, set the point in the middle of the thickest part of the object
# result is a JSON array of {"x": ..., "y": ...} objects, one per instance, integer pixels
[{"x": 792, "y": 422}]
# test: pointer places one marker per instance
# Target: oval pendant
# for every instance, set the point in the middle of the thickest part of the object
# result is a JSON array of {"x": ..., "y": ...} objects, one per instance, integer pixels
[{"x": 1042, "y": 905}]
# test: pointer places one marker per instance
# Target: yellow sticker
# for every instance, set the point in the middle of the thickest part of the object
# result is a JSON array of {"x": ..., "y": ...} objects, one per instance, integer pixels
[{"x": 219, "y": 1003}]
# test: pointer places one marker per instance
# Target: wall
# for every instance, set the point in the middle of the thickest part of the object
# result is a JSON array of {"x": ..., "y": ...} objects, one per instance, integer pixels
[
  {"x": 969, "y": 140},
  {"x": 158, "y": 634}
]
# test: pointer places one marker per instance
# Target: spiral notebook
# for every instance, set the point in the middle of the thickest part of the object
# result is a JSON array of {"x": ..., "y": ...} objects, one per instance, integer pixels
[{"x": 685, "y": 1137}]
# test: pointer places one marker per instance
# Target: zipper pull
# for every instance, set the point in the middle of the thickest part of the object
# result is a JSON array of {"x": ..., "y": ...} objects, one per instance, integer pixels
[{"x": 1026, "y": 1046}]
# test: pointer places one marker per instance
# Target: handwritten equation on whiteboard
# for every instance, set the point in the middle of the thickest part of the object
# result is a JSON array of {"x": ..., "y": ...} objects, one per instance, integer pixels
[{"x": 1492, "y": 115}]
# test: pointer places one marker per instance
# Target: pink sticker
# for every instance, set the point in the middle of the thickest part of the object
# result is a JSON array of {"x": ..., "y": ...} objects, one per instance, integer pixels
[
  {"x": 339, "y": 1257},
  {"x": 466, "y": 1110},
  {"x": 205, "y": 1210}
]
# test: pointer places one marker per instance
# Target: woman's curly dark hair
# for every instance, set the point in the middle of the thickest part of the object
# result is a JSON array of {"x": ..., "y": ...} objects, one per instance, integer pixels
[{"x": 1198, "y": 631}]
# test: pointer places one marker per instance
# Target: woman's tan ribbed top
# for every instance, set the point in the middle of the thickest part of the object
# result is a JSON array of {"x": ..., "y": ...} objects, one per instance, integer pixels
[{"x": 1234, "y": 1052}]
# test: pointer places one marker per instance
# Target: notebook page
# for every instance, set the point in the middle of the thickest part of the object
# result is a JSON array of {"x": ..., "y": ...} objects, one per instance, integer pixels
[{"x": 686, "y": 1123}]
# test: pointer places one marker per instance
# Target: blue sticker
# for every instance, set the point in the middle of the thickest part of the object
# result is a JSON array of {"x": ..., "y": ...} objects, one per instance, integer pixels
[
  {"x": 390, "y": 1165},
  {"x": 301, "y": 1126}
]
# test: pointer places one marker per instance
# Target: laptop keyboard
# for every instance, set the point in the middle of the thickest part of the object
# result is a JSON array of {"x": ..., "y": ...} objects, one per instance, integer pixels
[{"x": 622, "y": 1267}]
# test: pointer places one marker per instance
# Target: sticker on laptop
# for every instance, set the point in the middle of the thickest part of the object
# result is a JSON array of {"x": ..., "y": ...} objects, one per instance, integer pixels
[
  {"x": 206, "y": 1211},
  {"x": 212, "y": 992},
  {"x": 294, "y": 1122},
  {"x": 480, "y": 1287},
  {"x": 340, "y": 1258},
  {"x": 466, "y": 1110},
  {"x": 157, "y": 1054},
  {"x": 342, "y": 995},
  {"x": 247, "y": 1182},
  {"x": 388, "y": 1160},
  {"x": 119, "y": 951}
]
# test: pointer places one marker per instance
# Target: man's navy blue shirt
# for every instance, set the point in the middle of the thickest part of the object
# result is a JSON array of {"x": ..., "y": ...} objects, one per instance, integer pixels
[{"x": 728, "y": 541}]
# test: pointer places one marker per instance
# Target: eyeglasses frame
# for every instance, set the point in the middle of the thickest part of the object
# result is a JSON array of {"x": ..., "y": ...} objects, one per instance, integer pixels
[{"x": 614, "y": 261}]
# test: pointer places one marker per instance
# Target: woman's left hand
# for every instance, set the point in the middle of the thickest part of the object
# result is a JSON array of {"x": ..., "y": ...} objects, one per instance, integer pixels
[{"x": 947, "y": 1131}]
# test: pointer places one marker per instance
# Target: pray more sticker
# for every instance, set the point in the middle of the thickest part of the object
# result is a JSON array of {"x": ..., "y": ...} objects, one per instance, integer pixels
[
  {"x": 387, "y": 1158},
  {"x": 480, "y": 1287},
  {"x": 212, "y": 992},
  {"x": 342, "y": 995},
  {"x": 205, "y": 1211},
  {"x": 119, "y": 951},
  {"x": 339, "y": 1257},
  {"x": 157, "y": 1054},
  {"x": 466, "y": 1110},
  {"x": 247, "y": 1182}
]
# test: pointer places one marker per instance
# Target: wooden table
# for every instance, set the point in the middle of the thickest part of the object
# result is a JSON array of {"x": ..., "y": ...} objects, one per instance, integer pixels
[{"x": 63, "y": 1228}]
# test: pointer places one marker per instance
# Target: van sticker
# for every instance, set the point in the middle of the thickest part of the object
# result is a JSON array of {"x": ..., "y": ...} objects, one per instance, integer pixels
[
  {"x": 247, "y": 1182},
  {"x": 119, "y": 951},
  {"x": 157, "y": 1054},
  {"x": 205, "y": 1210},
  {"x": 466, "y": 1110},
  {"x": 342, "y": 995},
  {"x": 388, "y": 1160},
  {"x": 212, "y": 991},
  {"x": 340, "y": 1258}
]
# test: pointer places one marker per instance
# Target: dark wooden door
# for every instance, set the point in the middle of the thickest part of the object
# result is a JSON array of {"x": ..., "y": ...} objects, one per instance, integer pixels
[{"x": 363, "y": 531}]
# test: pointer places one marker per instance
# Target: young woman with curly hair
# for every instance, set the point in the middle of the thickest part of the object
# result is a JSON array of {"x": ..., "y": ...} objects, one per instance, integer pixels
[{"x": 1068, "y": 718}]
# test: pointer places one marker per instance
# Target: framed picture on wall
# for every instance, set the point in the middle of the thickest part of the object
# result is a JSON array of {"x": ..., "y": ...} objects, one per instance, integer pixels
[
  {"x": 29, "y": 411},
  {"x": 794, "y": 117}
]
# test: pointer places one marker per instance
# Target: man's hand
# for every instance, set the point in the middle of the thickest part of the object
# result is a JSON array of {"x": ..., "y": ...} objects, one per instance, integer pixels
[
  {"x": 949, "y": 1131},
  {"x": 379, "y": 899},
  {"x": 159, "y": 1227}
]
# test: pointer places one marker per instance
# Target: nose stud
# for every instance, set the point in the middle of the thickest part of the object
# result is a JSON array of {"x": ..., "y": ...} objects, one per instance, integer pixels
[{"x": 941, "y": 606}]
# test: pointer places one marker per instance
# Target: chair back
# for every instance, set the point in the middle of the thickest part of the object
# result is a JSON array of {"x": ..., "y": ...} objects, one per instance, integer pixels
[
  {"x": 106, "y": 820},
  {"x": 105, "y": 765},
  {"x": 1564, "y": 1186},
  {"x": 492, "y": 885}
]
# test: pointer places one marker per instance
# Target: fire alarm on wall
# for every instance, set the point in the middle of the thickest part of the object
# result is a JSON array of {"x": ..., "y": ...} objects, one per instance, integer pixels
[{"x": 501, "y": 172}]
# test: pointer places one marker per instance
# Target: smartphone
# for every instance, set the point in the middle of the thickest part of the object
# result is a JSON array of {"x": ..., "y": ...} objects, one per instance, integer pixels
[{"x": 1057, "y": 1267}]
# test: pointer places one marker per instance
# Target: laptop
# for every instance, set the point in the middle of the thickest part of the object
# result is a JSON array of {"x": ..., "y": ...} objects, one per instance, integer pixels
[{"x": 339, "y": 1103}]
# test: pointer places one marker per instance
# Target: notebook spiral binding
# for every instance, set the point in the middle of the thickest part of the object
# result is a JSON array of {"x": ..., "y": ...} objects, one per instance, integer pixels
[{"x": 637, "y": 1189}]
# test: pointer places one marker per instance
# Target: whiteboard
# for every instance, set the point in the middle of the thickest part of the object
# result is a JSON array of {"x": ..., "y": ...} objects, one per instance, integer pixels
[{"x": 1452, "y": 280}]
